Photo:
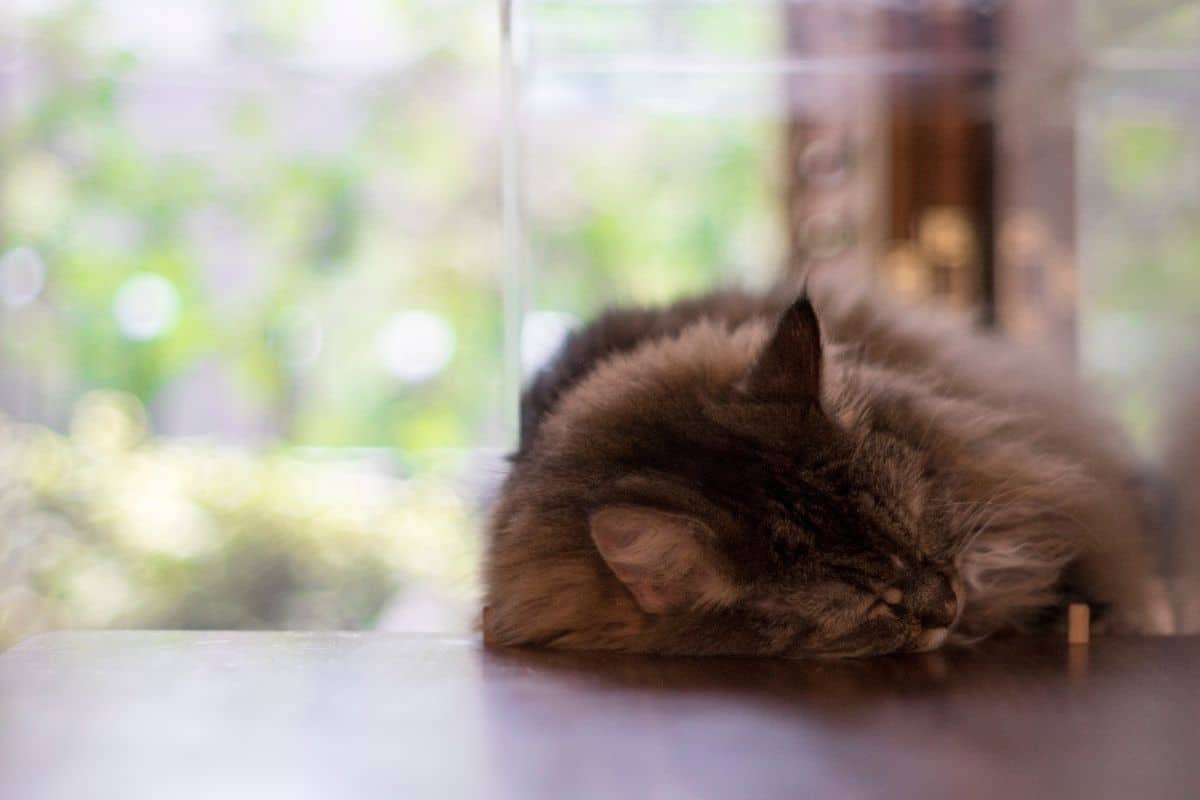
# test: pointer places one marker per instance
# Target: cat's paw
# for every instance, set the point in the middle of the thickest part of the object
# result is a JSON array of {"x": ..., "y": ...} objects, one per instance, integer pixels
[{"x": 1153, "y": 616}]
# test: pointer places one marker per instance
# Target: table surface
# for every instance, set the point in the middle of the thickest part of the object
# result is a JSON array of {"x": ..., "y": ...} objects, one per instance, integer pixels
[{"x": 263, "y": 715}]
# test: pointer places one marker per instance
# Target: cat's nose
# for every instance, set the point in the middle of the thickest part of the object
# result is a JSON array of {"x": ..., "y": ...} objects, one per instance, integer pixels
[{"x": 934, "y": 599}]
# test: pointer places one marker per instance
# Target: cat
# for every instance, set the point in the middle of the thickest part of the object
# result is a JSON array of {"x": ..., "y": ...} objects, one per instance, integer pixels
[{"x": 820, "y": 473}]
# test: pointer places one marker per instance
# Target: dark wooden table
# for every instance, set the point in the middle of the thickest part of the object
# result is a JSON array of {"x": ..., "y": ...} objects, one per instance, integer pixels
[{"x": 90, "y": 716}]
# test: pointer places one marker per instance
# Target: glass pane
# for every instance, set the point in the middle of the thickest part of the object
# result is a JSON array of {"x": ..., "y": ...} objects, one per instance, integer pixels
[
  {"x": 661, "y": 147},
  {"x": 260, "y": 334},
  {"x": 1139, "y": 134},
  {"x": 250, "y": 317}
]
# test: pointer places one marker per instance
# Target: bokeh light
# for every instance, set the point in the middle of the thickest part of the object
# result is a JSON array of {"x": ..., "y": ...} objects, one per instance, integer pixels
[
  {"x": 414, "y": 346},
  {"x": 542, "y": 332},
  {"x": 146, "y": 306}
]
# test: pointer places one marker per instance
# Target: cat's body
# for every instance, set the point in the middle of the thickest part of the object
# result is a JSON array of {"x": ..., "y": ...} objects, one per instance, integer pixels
[{"x": 729, "y": 475}]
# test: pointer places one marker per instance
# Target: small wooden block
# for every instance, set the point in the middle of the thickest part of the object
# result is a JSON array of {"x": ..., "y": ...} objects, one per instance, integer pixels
[{"x": 1079, "y": 623}]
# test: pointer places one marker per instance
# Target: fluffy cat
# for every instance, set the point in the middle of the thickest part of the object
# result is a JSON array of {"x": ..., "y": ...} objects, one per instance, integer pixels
[{"x": 821, "y": 476}]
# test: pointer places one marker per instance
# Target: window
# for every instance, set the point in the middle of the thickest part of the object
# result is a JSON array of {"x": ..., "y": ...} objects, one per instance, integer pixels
[{"x": 260, "y": 331}]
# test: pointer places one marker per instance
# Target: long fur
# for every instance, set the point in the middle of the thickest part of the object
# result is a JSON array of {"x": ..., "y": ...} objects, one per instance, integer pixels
[{"x": 934, "y": 457}]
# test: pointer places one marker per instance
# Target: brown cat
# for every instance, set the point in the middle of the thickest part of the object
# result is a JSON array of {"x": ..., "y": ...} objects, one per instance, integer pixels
[{"x": 830, "y": 476}]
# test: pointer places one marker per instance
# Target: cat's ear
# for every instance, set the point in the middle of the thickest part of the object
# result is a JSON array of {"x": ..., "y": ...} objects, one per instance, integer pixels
[
  {"x": 789, "y": 366},
  {"x": 667, "y": 561}
]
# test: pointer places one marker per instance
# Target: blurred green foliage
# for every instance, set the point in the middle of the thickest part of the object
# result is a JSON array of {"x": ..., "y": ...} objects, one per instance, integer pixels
[
  {"x": 271, "y": 236},
  {"x": 335, "y": 239},
  {"x": 107, "y": 526},
  {"x": 1139, "y": 156}
]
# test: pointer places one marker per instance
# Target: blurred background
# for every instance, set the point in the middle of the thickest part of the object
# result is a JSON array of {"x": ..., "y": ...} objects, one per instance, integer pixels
[{"x": 271, "y": 271}]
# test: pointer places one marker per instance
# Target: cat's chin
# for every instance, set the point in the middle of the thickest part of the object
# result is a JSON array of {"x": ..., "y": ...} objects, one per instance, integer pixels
[{"x": 931, "y": 639}]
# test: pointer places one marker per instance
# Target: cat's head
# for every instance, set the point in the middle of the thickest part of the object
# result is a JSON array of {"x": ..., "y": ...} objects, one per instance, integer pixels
[{"x": 712, "y": 493}]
